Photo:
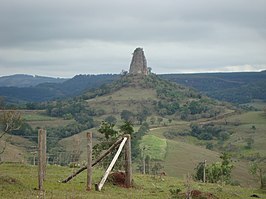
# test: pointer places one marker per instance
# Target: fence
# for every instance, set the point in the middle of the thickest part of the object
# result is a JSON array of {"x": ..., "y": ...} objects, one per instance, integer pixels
[{"x": 125, "y": 140}]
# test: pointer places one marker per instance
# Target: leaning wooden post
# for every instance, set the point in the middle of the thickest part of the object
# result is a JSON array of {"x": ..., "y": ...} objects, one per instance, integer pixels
[
  {"x": 128, "y": 164},
  {"x": 100, "y": 185},
  {"x": 89, "y": 161},
  {"x": 204, "y": 171},
  {"x": 95, "y": 162},
  {"x": 41, "y": 158}
]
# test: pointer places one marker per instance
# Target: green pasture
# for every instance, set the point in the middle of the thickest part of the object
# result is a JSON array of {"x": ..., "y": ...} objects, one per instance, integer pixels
[
  {"x": 37, "y": 117},
  {"x": 155, "y": 147},
  {"x": 20, "y": 181}
]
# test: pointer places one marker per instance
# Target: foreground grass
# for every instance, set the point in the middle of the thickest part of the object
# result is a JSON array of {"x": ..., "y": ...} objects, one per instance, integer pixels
[{"x": 20, "y": 181}]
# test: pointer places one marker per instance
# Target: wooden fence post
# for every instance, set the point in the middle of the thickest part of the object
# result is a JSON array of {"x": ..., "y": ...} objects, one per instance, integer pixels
[
  {"x": 204, "y": 171},
  {"x": 128, "y": 163},
  {"x": 44, "y": 154},
  {"x": 41, "y": 157},
  {"x": 143, "y": 161},
  {"x": 95, "y": 162},
  {"x": 89, "y": 163}
]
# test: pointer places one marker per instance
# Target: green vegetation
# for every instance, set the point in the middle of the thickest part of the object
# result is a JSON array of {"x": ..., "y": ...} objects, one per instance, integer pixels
[
  {"x": 258, "y": 170},
  {"x": 155, "y": 147},
  {"x": 216, "y": 172},
  {"x": 209, "y": 132},
  {"x": 20, "y": 181},
  {"x": 238, "y": 88}
]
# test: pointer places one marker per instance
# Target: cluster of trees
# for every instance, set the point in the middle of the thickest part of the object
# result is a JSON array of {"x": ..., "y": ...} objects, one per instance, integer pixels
[
  {"x": 65, "y": 131},
  {"x": 140, "y": 117},
  {"x": 167, "y": 108},
  {"x": 208, "y": 132},
  {"x": 171, "y": 134},
  {"x": 110, "y": 134},
  {"x": 71, "y": 109},
  {"x": 217, "y": 171}
]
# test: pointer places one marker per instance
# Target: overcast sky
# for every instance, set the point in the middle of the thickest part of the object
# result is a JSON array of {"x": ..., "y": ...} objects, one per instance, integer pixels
[{"x": 62, "y": 38}]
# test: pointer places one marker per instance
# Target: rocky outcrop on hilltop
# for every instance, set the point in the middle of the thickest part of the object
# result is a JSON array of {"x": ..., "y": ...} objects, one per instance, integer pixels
[{"x": 138, "y": 63}]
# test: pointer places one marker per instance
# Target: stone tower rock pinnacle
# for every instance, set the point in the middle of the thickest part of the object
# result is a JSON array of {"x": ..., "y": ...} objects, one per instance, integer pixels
[{"x": 138, "y": 63}]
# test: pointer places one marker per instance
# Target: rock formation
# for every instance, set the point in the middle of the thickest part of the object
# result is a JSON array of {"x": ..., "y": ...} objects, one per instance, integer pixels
[{"x": 138, "y": 63}]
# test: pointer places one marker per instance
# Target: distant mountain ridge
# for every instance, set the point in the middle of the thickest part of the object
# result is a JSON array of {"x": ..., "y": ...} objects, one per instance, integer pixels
[
  {"x": 24, "y": 80},
  {"x": 50, "y": 90},
  {"x": 241, "y": 87}
]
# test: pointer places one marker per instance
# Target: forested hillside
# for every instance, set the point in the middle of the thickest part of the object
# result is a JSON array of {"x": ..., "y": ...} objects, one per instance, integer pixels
[
  {"x": 232, "y": 87},
  {"x": 21, "y": 80},
  {"x": 49, "y": 91}
]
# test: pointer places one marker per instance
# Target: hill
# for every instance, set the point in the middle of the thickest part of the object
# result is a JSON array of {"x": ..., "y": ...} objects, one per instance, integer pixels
[
  {"x": 40, "y": 91},
  {"x": 21, "y": 80},
  {"x": 239, "y": 88}
]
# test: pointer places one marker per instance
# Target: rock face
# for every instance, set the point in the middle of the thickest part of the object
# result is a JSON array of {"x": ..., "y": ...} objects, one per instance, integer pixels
[{"x": 138, "y": 63}]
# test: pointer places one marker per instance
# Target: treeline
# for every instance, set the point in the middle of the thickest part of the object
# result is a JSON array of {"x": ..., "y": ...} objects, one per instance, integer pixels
[
  {"x": 50, "y": 91},
  {"x": 233, "y": 87},
  {"x": 238, "y": 88},
  {"x": 205, "y": 132}
]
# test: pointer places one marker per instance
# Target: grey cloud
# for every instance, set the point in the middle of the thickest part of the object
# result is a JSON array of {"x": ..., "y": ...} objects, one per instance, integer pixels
[{"x": 174, "y": 33}]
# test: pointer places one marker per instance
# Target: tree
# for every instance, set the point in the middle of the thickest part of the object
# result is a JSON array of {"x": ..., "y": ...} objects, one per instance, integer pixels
[
  {"x": 159, "y": 120},
  {"x": 199, "y": 171},
  {"x": 195, "y": 107},
  {"x": 259, "y": 172},
  {"x": 108, "y": 130},
  {"x": 218, "y": 171},
  {"x": 126, "y": 115},
  {"x": 126, "y": 128},
  {"x": 152, "y": 119},
  {"x": 110, "y": 136},
  {"x": 111, "y": 119},
  {"x": 9, "y": 121},
  {"x": 2, "y": 102}
]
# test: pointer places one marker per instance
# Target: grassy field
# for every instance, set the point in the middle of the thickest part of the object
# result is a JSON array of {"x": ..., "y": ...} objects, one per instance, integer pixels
[
  {"x": 155, "y": 147},
  {"x": 127, "y": 98},
  {"x": 250, "y": 125},
  {"x": 37, "y": 117},
  {"x": 20, "y": 181},
  {"x": 17, "y": 148},
  {"x": 180, "y": 155},
  {"x": 258, "y": 104},
  {"x": 185, "y": 152}
]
